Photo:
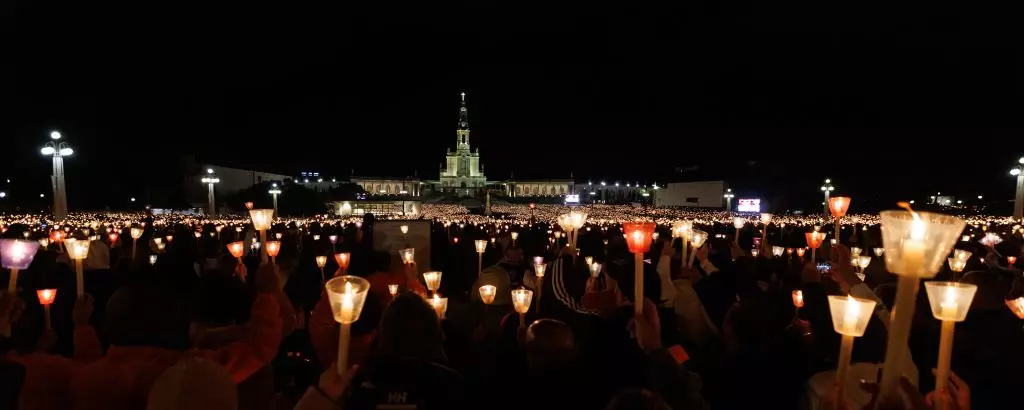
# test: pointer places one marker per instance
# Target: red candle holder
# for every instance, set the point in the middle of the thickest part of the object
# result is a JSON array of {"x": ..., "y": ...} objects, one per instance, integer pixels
[
  {"x": 46, "y": 296},
  {"x": 814, "y": 239},
  {"x": 838, "y": 206},
  {"x": 342, "y": 259},
  {"x": 639, "y": 235}
]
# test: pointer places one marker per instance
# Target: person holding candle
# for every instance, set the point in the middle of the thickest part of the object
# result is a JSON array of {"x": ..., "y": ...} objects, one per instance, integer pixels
[
  {"x": 147, "y": 336},
  {"x": 47, "y": 375},
  {"x": 408, "y": 363}
]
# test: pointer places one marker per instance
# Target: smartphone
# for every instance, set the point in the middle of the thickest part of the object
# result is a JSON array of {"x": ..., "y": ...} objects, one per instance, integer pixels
[{"x": 824, "y": 267}]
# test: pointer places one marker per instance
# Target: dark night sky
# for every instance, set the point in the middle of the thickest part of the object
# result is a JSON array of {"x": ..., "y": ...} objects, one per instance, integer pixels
[{"x": 758, "y": 91}]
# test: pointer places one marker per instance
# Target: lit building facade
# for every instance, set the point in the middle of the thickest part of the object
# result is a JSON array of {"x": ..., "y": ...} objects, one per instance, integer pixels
[{"x": 462, "y": 171}]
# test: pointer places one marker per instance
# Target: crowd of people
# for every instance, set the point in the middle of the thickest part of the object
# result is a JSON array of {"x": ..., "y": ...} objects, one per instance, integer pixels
[{"x": 168, "y": 318}]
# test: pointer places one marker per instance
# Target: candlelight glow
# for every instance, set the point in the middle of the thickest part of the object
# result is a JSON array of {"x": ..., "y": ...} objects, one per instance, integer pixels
[
  {"x": 261, "y": 218},
  {"x": 850, "y": 315},
  {"x": 481, "y": 245},
  {"x": 393, "y": 289},
  {"x": 408, "y": 255},
  {"x": 237, "y": 249},
  {"x": 916, "y": 243},
  {"x": 1016, "y": 306},
  {"x": 18, "y": 254},
  {"x": 838, "y": 206},
  {"x": 521, "y": 300},
  {"x": 273, "y": 248},
  {"x": 798, "y": 298},
  {"x": 432, "y": 280},
  {"x": 78, "y": 249},
  {"x": 639, "y": 235},
  {"x": 697, "y": 238},
  {"x": 342, "y": 259},
  {"x": 814, "y": 239},
  {"x": 487, "y": 293},
  {"x": 738, "y": 222},
  {"x": 46, "y": 296},
  {"x": 321, "y": 261},
  {"x": 950, "y": 301},
  {"x": 347, "y": 294},
  {"x": 538, "y": 269}
]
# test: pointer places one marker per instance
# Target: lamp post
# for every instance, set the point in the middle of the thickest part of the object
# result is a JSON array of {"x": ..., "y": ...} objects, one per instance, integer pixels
[
  {"x": 1018, "y": 201},
  {"x": 209, "y": 180},
  {"x": 827, "y": 188},
  {"x": 274, "y": 191},
  {"x": 58, "y": 150},
  {"x": 728, "y": 199}
]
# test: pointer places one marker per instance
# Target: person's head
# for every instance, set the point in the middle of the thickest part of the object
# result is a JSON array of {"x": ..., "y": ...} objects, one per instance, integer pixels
[
  {"x": 222, "y": 299},
  {"x": 513, "y": 254},
  {"x": 409, "y": 328},
  {"x": 382, "y": 261},
  {"x": 637, "y": 399},
  {"x": 193, "y": 384},
  {"x": 147, "y": 314},
  {"x": 549, "y": 344}
]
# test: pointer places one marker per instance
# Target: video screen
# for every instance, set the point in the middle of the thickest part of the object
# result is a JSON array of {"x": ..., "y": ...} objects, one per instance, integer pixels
[{"x": 748, "y": 205}]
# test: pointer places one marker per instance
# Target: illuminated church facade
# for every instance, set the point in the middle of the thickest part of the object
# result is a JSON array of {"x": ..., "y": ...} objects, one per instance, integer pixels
[
  {"x": 462, "y": 170},
  {"x": 462, "y": 173}
]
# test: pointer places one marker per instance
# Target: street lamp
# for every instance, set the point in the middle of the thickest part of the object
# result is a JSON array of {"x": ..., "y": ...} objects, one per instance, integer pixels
[
  {"x": 728, "y": 199},
  {"x": 209, "y": 180},
  {"x": 1018, "y": 202},
  {"x": 58, "y": 150},
  {"x": 827, "y": 188},
  {"x": 274, "y": 190}
]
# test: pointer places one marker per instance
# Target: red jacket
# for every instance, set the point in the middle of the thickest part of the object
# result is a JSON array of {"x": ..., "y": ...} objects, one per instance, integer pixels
[
  {"x": 122, "y": 379},
  {"x": 48, "y": 377}
]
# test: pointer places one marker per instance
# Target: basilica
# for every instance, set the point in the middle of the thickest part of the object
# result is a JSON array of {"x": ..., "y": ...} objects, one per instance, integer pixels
[
  {"x": 462, "y": 174},
  {"x": 462, "y": 171}
]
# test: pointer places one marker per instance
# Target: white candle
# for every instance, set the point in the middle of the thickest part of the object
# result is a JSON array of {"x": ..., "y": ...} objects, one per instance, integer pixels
[
  {"x": 347, "y": 304},
  {"x": 913, "y": 248},
  {"x": 852, "y": 316}
]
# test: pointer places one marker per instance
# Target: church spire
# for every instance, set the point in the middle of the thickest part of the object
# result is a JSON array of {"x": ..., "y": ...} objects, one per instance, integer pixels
[
  {"x": 462, "y": 132},
  {"x": 463, "y": 113}
]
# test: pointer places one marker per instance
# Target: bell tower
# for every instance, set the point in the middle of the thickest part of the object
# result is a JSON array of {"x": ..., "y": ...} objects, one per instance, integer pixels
[{"x": 462, "y": 132}]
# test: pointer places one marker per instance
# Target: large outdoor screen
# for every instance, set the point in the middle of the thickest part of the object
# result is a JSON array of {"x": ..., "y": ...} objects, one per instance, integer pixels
[{"x": 748, "y": 205}]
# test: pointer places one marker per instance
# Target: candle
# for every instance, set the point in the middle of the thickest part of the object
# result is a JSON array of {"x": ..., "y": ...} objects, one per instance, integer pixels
[
  {"x": 487, "y": 293},
  {"x": 347, "y": 295},
  {"x": 916, "y": 244},
  {"x": 432, "y": 280},
  {"x": 950, "y": 302},
  {"x": 440, "y": 305},
  {"x": 798, "y": 298}
]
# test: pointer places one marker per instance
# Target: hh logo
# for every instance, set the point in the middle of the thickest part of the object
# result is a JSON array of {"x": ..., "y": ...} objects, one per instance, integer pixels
[{"x": 397, "y": 397}]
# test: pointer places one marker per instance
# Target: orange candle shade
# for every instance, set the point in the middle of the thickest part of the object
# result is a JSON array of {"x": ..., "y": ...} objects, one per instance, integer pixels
[
  {"x": 800, "y": 252},
  {"x": 46, "y": 296},
  {"x": 639, "y": 235},
  {"x": 321, "y": 261},
  {"x": 237, "y": 249},
  {"x": 273, "y": 248},
  {"x": 342, "y": 259},
  {"x": 113, "y": 237},
  {"x": 249, "y": 205},
  {"x": 56, "y": 236},
  {"x": 798, "y": 298},
  {"x": 1016, "y": 306},
  {"x": 170, "y": 238},
  {"x": 1011, "y": 260},
  {"x": 838, "y": 206},
  {"x": 814, "y": 239}
]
